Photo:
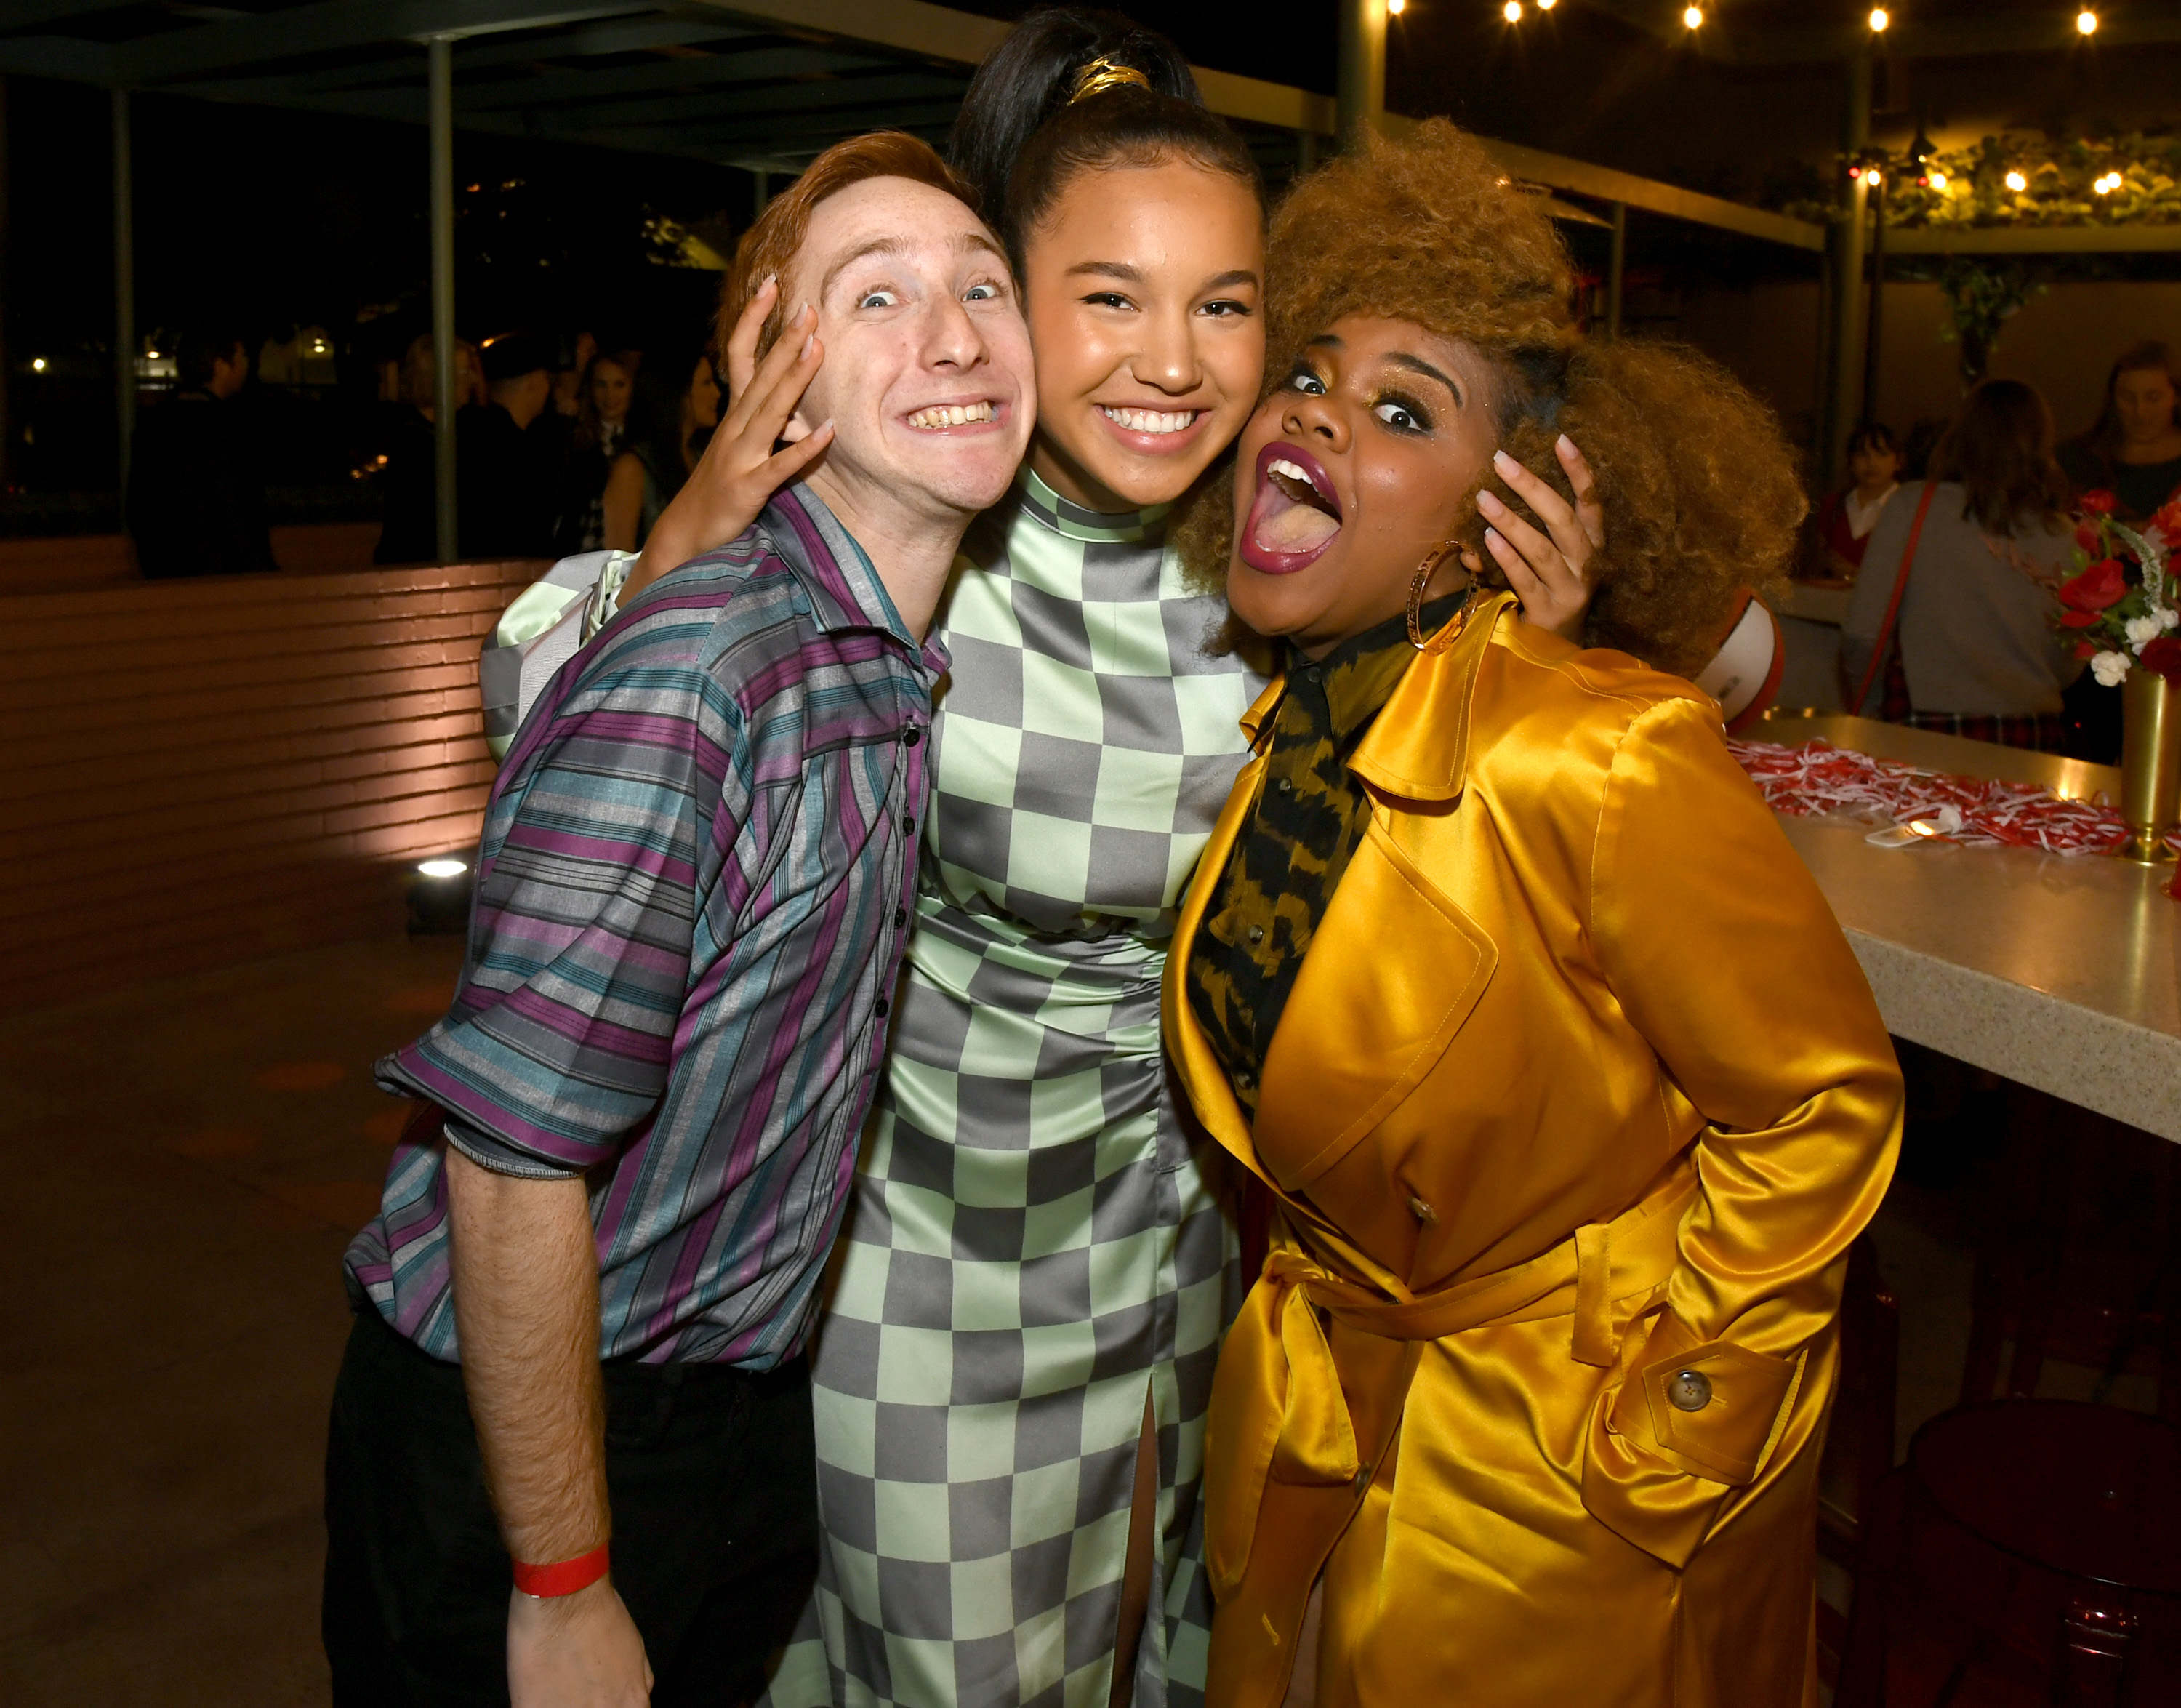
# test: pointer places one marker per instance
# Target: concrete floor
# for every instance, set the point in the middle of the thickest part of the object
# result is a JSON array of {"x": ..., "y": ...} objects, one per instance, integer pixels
[
  {"x": 185, "y": 1165},
  {"x": 187, "y": 1162}
]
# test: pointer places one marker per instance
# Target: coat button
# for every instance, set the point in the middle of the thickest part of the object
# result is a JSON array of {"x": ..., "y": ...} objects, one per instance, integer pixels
[
  {"x": 1256, "y": 934},
  {"x": 912, "y": 735},
  {"x": 1690, "y": 1391},
  {"x": 883, "y": 1005},
  {"x": 1285, "y": 787},
  {"x": 1425, "y": 1212},
  {"x": 900, "y": 918},
  {"x": 1362, "y": 1479}
]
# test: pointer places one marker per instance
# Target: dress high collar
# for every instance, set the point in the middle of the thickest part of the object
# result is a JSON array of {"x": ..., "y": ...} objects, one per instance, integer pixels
[{"x": 1128, "y": 528}]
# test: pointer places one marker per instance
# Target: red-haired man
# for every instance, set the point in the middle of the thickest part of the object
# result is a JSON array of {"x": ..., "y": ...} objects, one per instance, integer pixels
[{"x": 582, "y": 1308}]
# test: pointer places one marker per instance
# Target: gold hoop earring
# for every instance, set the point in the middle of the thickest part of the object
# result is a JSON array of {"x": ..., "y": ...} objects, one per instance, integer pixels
[{"x": 1432, "y": 646}]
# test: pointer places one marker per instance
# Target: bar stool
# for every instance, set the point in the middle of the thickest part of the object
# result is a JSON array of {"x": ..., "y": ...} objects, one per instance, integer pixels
[{"x": 2030, "y": 1552}]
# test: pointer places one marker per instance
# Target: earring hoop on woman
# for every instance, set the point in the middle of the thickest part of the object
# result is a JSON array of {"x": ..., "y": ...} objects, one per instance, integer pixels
[{"x": 1431, "y": 647}]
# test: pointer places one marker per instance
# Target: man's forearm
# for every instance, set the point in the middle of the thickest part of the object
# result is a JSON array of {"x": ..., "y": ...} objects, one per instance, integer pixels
[{"x": 526, "y": 1297}]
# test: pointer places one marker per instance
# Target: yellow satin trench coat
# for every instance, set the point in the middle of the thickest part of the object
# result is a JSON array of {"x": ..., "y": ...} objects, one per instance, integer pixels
[{"x": 1579, "y": 1089}]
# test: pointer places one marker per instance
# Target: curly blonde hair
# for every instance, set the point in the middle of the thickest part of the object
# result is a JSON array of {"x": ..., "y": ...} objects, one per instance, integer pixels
[{"x": 1698, "y": 483}]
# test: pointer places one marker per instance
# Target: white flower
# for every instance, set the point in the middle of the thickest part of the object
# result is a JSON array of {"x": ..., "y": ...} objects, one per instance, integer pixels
[
  {"x": 2169, "y": 617},
  {"x": 2142, "y": 630},
  {"x": 2109, "y": 667}
]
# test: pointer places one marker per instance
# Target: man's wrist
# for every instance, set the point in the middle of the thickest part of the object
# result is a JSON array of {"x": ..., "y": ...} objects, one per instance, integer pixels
[{"x": 559, "y": 1578}]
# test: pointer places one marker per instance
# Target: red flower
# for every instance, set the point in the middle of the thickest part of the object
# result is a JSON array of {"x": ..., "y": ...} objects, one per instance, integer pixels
[
  {"x": 2086, "y": 535},
  {"x": 2098, "y": 502},
  {"x": 2098, "y": 587},
  {"x": 2163, "y": 655},
  {"x": 2085, "y": 648},
  {"x": 2166, "y": 519},
  {"x": 2079, "y": 619}
]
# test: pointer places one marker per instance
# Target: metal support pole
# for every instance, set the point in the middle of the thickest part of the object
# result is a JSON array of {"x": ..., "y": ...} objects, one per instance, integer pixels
[
  {"x": 1870, "y": 341},
  {"x": 1360, "y": 101},
  {"x": 7, "y": 429},
  {"x": 760, "y": 197},
  {"x": 1616, "y": 269},
  {"x": 1847, "y": 274},
  {"x": 444, "y": 355},
  {"x": 125, "y": 286},
  {"x": 1306, "y": 152}
]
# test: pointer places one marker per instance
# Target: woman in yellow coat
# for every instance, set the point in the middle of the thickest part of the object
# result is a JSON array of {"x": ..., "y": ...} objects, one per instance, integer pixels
[{"x": 1499, "y": 974}]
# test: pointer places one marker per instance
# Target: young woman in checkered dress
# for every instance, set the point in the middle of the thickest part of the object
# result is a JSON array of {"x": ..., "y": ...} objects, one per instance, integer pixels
[{"x": 1026, "y": 1305}]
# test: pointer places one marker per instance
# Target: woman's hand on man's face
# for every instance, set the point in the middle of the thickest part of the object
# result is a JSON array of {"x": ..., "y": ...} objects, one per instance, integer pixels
[
  {"x": 740, "y": 470},
  {"x": 1545, "y": 571}
]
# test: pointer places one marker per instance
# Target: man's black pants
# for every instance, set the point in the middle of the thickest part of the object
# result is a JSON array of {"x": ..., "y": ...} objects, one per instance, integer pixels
[{"x": 712, "y": 1474}]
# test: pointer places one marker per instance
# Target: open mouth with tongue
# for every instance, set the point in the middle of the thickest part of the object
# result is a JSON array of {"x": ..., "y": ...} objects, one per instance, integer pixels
[{"x": 1294, "y": 515}]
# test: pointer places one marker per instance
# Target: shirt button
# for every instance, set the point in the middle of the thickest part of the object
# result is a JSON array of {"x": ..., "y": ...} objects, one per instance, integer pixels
[
  {"x": 883, "y": 1005},
  {"x": 1257, "y": 934},
  {"x": 909, "y": 824},
  {"x": 1314, "y": 673},
  {"x": 900, "y": 918},
  {"x": 912, "y": 735},
  {"x": 1690, "y": 1391},
  {"x": 1425, "y": 1212},
  {"x": 1285, "y": 787}
]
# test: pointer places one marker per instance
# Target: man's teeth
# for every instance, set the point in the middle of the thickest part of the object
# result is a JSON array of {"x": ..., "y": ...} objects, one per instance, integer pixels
[
  {"x": 1293, "y": 471},
  {"x": 1151, "y": 420},
  {"x": 952, "y": 414}
]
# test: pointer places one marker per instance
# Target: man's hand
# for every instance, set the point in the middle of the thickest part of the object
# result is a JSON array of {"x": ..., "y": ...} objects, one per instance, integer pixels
[
  {"x": 575, "y": 1651},
  {"x": 525, "y": 1293}
]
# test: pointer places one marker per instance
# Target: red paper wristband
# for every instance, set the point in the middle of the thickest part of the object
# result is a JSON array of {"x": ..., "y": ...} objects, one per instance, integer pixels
[{"x": 562, "y": 1576}]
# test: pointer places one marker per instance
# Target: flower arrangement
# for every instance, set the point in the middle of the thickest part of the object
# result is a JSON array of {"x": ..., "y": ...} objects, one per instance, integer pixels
[{"x": 2119, "y": 604}]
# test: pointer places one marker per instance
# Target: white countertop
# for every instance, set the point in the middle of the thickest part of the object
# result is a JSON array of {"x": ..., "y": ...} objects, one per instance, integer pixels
[{"x": 2062, "y": 973}]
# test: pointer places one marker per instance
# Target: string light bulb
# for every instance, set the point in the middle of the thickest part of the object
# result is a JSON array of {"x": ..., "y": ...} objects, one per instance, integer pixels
[
  {"x": 1397, "y": 7},
  {"x": 1512, "y": 11},
  {"x": 1694, "y": 18},
  {"x": 1547, "y": 5},
  {"x": 2017, "y": 182},
  {"x": 1880, "y": 18},
  {"x": 2104, "y": 185},
  {"x": 1936, "y": 179},
  {"x": 2086, "y": 22}
]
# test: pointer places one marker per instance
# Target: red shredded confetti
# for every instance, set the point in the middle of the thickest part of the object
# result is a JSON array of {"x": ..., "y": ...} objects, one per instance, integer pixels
[{"x": 1821, "y": 779}]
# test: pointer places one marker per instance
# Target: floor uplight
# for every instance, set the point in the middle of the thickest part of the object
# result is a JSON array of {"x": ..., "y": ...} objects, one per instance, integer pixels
[{"x": 442, "y": 868}]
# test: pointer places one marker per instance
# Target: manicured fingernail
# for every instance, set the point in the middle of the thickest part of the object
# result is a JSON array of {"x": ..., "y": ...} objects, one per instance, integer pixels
[
  {"x": 1566, "y": 446},
  {"x": 772, "y": 282},
  {"x": 1490, "y": 504},
  {"x": 1491, "y": 537},
  {"x": 1504, "y": 463},
  {"x": 808, "y": 344}
]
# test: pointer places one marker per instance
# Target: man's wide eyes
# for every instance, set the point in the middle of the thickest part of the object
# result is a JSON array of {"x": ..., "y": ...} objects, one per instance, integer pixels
[{"x": 877, "y": 299}]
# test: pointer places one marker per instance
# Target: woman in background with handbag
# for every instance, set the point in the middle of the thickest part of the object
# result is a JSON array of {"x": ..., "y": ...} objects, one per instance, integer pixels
[{"x": 1950, "y": 627}]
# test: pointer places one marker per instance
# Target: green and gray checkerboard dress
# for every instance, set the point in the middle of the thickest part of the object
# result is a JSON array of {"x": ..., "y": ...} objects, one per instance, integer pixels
[{"x": 1032, "y": 1244}]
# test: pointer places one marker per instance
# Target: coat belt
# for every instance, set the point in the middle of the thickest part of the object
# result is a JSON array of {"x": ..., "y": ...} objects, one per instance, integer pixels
[{"x": 1276, "y": 1407}]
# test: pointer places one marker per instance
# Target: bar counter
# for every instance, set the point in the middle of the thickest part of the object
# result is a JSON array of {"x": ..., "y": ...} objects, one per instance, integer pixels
[{"x": 2063, "y": 973}]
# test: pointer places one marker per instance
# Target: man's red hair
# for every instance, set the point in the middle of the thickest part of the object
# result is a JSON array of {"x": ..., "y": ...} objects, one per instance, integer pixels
[{"x": 769, "y": 247}]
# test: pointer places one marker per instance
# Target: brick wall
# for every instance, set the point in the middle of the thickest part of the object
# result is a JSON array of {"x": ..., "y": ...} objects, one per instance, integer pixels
[{"x": 201, "y": 773}]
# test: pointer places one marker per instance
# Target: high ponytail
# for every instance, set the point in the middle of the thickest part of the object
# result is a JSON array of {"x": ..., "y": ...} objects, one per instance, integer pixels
[{"x": 1022, "y": 134}]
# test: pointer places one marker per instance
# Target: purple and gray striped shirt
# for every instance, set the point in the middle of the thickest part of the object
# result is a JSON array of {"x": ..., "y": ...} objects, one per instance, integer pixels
[{"x": 693, "y": 890}]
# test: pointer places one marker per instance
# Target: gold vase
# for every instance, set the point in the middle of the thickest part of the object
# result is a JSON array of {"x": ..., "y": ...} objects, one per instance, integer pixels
[{"x": 2150, "y": 763}]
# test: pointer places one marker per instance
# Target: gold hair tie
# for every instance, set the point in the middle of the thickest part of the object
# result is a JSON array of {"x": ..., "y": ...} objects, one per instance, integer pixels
[{"x": 1103, "y": 74}]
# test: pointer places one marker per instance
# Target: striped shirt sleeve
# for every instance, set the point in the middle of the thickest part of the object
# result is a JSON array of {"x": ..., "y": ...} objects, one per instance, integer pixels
[{"x": 597, "y": 853}]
